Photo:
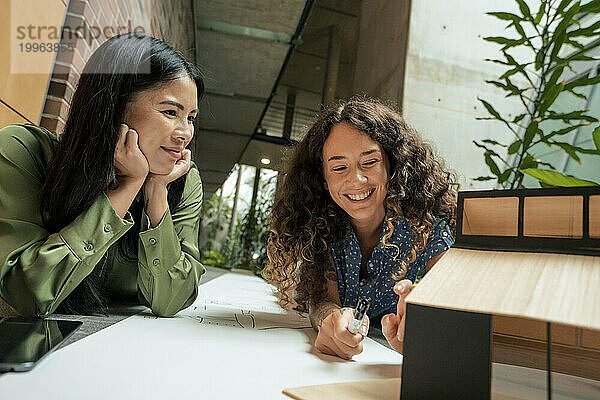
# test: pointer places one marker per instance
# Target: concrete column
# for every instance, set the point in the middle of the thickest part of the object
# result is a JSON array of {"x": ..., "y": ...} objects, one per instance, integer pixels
[
  {"x": 333, "y": 64},
  {"x": 288, "y": 120},
  {"x": 220, "y": 201},
  {"x": 235, "y": 201},
  {"x": 255, "y": 191}
]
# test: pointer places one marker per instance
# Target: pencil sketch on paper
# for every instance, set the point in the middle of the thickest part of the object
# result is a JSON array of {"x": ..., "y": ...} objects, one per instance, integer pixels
[{"x": 247, "y": 319}]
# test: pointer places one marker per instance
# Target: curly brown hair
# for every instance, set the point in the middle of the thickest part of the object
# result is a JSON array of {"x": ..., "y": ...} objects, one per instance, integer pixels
[{"x": 305, "y": 221}]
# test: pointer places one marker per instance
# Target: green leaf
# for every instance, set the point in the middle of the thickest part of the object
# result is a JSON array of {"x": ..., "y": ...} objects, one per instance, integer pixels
[
  {"x": 539, "y": 59},
  {"x": 580, "y": 57},
  {"x": 549, "y": 95},
  {"x": 508, "y": 43},
  {"x": 509, "y": 60},
  {"x": 575, "y": 44},
  {"x": 505, "y": 16},
  {"x": 519, "y": 118},
  {"x": 516, "y": 42},
  {"x": 513, "y": 89},
  {"x": 592, "y": 45},
  {"x": 504, "y": 176},
  {"x": 520, "y": 29},
  {"x": 514, "y": 147},
  {"x": 555, "y": 178},
  {"x": 583, "y": 82},
  {"x": 540, "y": 13},
  {"x": 557, "y": 41},
  {"x": 490, "y": 109},
  {"x": 487, "y": 149},
  {"x": 529, "y": 134},
  {"x": 596, "y": 137},
  {"x": 511, "y": 72},
  {"x": 574, "y": 93},
  {"x": 524, "y": 9},
  {"x": 509, "y": 87},
  {"x": 528, "y": 162},
  {"x": 499, "y": 84},
  {"x": 563, "y": 4},
  {"x": 498, "y": 39},
  {"x": 484, "y": 178},
  {"x": 492, "y": 165},
  {"x": 591, "y": 7},
  {"x": 493, "y": 112},
  {"x": 568, "y": 16},
  {"x": 512, "y": 61},
  {"x": 587, "y": 31},
  {"x": 560, "y": 33},
  {"x": 576, "y": 148},
  {"x": 496, "y": 61},
  {"x": 546, "y": 164},
  {"x": 574, "y": 115},
  {"x": 569, "y": 149},
  {"x": 555, "y": 75},
  {"x": 493, "y": 142},
  {"x": 564, "y": 131}
]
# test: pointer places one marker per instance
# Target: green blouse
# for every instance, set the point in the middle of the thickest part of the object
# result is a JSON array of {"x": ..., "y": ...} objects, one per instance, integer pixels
[{"x": 39, "y": 269}]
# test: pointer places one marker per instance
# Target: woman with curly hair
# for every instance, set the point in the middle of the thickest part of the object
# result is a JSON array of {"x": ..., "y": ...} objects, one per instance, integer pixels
[{"x": 364, "y": 207}]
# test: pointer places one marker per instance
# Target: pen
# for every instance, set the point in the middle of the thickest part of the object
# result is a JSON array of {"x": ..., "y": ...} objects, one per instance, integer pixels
[{"x": 359, "y": 313}]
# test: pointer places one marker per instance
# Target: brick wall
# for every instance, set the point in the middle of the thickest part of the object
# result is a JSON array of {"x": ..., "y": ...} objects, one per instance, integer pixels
[{"x": 169, "y": 20}]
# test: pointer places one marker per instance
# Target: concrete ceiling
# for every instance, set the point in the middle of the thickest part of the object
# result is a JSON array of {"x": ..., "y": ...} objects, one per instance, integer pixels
[{"x": 252, "y": 53}]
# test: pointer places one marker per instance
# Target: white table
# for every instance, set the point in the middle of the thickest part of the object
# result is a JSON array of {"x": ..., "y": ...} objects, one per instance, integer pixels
[{"x": 234, "y": 342}]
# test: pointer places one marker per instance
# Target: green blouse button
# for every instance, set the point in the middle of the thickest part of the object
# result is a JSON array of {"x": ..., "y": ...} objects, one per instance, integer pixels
[
  {"x": 156, "y": 262},
  {"x": 152, "y": 241},
  {"x": 88, "y": 247}
]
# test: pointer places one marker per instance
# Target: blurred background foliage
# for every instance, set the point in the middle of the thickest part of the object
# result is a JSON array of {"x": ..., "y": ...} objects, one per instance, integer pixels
[{"x": 242, "y": 245}]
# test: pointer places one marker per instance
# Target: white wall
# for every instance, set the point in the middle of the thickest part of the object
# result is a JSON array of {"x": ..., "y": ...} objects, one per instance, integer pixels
[{"x": 446, "y": 72}]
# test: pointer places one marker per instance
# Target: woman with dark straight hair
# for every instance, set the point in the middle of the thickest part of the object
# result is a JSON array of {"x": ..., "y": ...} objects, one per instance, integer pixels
[{"x": 108, "y": 210}]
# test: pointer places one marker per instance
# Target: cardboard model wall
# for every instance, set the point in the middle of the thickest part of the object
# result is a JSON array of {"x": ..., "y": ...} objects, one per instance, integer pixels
[{"x": 531, "y": 253}]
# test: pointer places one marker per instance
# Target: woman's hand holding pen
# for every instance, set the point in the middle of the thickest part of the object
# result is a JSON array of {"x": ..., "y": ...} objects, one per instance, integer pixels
[
  {"x": 392, "y": 325},
  {"x": 334, "y": 337}
]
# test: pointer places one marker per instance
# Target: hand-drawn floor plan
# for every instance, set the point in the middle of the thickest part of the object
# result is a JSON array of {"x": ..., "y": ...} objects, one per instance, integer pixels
[
  {"x": 240, "y": 301},
  {"x": 248, "y": 319}
]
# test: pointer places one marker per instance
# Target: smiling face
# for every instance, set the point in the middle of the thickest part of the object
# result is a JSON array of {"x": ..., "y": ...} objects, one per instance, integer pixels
[
  {"x": 356, "y": 173},
  {"x": 164, "y": 120}
]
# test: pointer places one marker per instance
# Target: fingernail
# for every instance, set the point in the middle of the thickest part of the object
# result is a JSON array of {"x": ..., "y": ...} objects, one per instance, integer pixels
[
  {"x": 399, "y": 337},
  {"x": 402, "y": 288},
  {"x": 363, "y": 330}
]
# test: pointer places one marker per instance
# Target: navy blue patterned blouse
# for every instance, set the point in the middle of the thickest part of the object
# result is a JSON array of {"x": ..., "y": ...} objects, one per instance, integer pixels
[{"x": 378, "y": 288}]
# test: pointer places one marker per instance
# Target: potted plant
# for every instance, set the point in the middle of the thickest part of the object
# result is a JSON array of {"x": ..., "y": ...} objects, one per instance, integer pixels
[{"x": 556, "y": 39}]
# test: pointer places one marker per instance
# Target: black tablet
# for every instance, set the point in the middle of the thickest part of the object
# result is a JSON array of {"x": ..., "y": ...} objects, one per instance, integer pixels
[{"x": 23, "y": 343}]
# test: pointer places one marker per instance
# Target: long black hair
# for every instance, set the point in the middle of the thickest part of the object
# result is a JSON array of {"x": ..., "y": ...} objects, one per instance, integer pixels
[{"x": 83, "y": 164}]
